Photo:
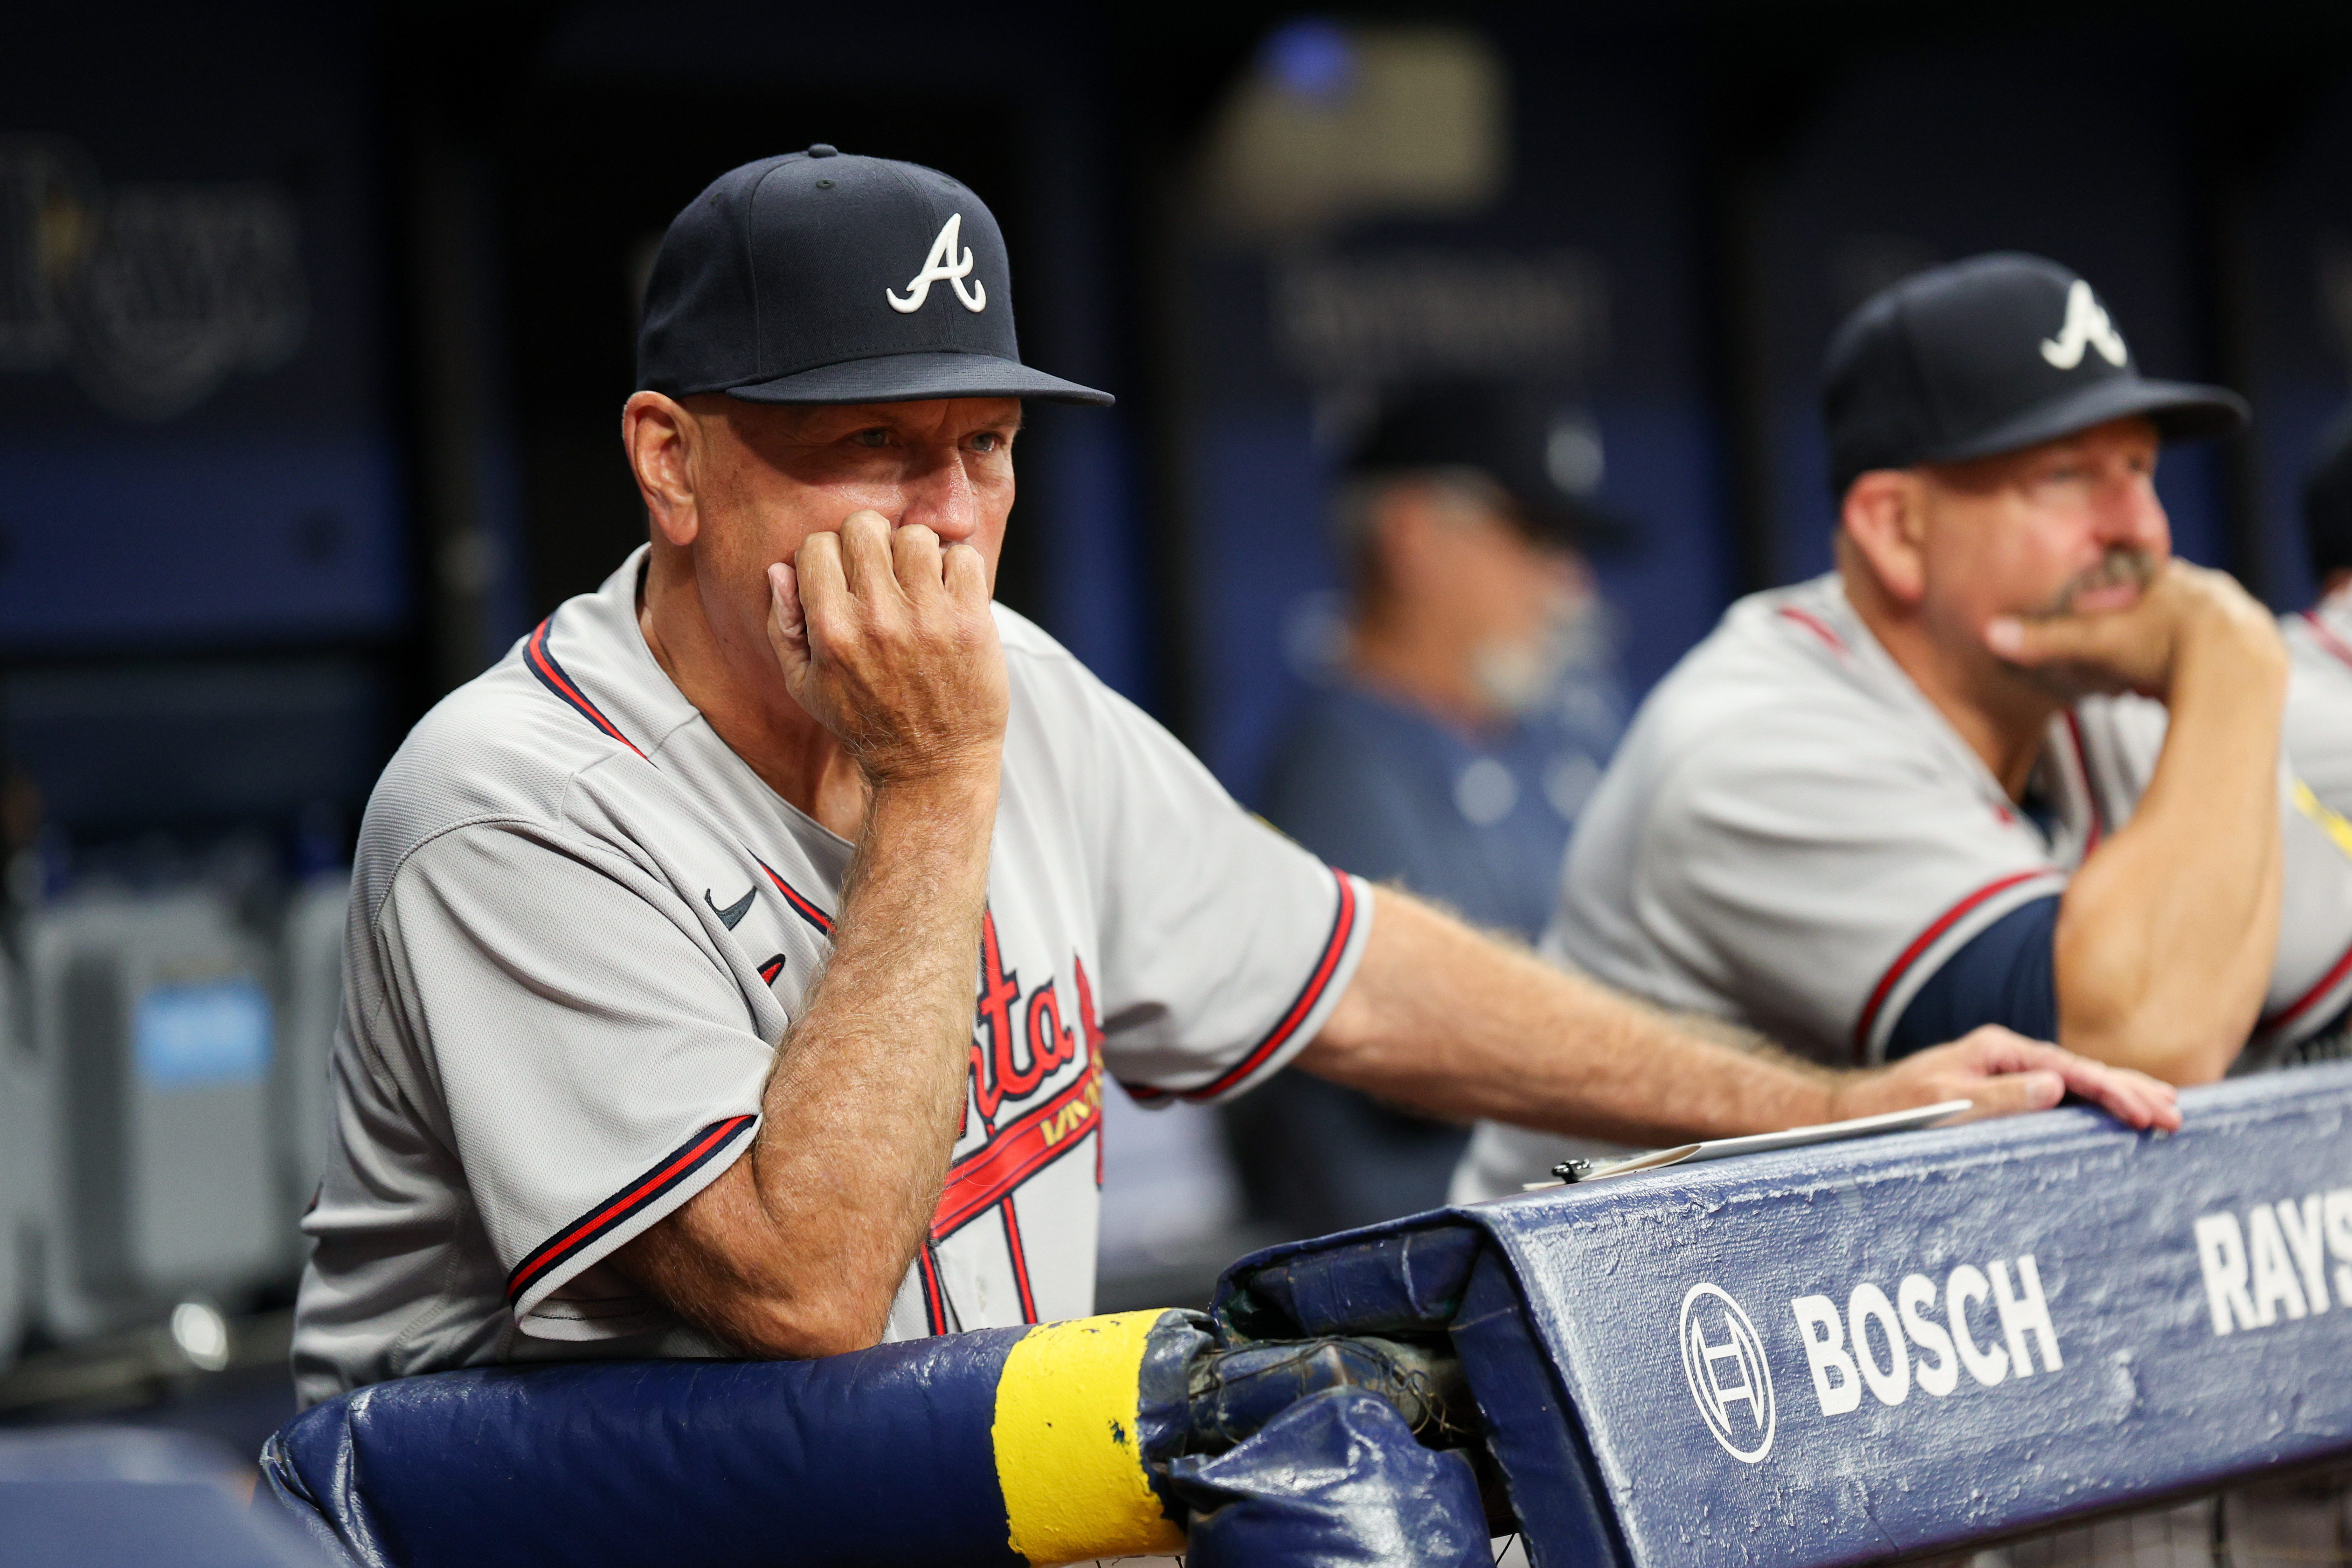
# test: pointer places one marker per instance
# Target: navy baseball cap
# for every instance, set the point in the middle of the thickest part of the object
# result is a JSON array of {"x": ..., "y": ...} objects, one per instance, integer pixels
[
  {"x": 818, "y": 276},
  {"x": 1992, "y": 355},
  {"x": 1541, "y": 456}
]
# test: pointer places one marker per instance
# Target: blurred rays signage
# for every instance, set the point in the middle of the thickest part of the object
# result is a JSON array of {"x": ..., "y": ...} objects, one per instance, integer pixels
[
  {"x": 1331, "y": 124},
  {"x": 151, "y": 295},
  {"x": 1384, "y": 319}
]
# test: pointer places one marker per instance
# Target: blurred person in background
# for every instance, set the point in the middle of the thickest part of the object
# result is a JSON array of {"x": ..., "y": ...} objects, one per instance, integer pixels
[
  {"x": 2319, "y": 639},
  {"x": 1471, "y": 711}
]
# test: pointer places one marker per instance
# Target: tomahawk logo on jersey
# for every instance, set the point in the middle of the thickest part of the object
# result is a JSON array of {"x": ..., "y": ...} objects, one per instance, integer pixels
[{"x": 574, "y": 945}]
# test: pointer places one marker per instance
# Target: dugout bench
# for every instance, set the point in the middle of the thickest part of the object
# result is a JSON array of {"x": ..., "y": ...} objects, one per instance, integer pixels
[{"x": 1892, "y": 1348}]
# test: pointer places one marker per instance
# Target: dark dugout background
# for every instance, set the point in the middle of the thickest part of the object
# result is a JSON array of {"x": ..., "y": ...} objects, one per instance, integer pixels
[{"x": 313, "y": 324}]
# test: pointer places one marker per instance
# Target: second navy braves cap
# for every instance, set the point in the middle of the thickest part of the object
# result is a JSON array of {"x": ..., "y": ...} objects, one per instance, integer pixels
[
  {"x": 1992, "y": 355},
  {"x": 820, "y": 277},
  {"x": 1543, "y": 456}
]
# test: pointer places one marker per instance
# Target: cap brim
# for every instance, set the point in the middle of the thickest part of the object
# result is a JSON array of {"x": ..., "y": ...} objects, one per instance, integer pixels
[
  {"x": 2181, "y": 411},
  {"x": 909, "y": 378}
]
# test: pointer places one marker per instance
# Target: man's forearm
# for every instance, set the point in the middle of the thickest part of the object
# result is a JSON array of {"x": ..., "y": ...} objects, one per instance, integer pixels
[
  {"x": 798, "y": 1249},
  {"x": 1454, "y": 1024},
  {"x": 2166, "y": 935}
]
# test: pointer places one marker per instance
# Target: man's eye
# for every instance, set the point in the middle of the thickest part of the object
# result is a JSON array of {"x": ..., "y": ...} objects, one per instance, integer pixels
[
  {"x": 874, "y": 437},
  {"x": 987, "y": 441}
]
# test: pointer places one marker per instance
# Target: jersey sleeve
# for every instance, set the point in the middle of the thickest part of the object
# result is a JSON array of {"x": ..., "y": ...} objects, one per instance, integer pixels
[
  {"x": 1821, "y": 871},
  {"x": 2007, "y": 973},
  {"x": 1224, "y": 945},
  {"x": 582, "y": 1046}
]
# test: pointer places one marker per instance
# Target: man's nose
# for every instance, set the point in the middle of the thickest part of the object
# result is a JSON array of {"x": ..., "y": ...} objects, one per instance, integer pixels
[
  {"x": 2129, "y": 512},
  {"x": 941, "y": 496}
]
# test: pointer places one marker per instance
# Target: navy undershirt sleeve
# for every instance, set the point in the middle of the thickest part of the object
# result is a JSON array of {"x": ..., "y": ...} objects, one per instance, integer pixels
[{"x": 2006, "y": 975}]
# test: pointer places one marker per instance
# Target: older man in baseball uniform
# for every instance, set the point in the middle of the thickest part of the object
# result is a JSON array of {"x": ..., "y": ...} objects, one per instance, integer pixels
[
  {"x": 2009, "y": 764},
  {"x": 663, "y": 1035}
]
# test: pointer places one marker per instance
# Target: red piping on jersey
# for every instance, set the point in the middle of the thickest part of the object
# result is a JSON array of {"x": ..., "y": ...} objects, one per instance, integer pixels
[
  {"x": 1925, "y": 940},
  {"x": 1020, "y": 1261},
  {"x": 696, "y": 1153},
  {"x": 551, "y": 676},
  {"x": 1021, "y": 1148},
  {"x": 934, "y": 1302},
  {"x": 2089, "y": 790},
  {"x": 1818, "y": 626},
  {"x": 2327, "y": 639},
  {"x": 1343, "y": 926},
  {"x": 2303, "y": 1003},
  {"x": 801, "y": 905}
]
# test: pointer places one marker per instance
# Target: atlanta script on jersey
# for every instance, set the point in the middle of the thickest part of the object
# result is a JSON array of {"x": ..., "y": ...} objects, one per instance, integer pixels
[{"x": 579, "y": 924}]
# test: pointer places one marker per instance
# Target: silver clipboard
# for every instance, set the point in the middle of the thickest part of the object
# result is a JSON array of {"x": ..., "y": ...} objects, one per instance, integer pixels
[{"x": 1581, "y": 1171}]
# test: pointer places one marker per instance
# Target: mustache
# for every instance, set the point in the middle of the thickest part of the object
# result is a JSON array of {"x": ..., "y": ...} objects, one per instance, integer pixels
[{"x": 2122, "y": 564}]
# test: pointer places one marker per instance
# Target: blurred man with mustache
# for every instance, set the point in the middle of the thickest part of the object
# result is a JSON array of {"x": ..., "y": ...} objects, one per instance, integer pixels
[{"x": 2010, "y": 763}]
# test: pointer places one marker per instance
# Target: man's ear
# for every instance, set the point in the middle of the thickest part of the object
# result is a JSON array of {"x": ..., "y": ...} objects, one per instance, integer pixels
[
  {"x": 1885, "y": 514},
  {"x": 660, "y": 437}
]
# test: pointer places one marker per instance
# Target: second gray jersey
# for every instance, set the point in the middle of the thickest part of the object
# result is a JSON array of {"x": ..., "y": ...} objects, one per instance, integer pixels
[{"x": 1793, "y": 838}]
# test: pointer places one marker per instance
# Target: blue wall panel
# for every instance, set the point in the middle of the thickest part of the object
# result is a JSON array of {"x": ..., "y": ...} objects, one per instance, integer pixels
[
  {"x": 193, "y": 380},
  {"x": 171, "y": 538}
]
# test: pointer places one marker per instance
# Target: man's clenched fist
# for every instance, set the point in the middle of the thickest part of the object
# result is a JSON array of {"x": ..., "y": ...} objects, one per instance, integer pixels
[{"x": 884, "y": 636}]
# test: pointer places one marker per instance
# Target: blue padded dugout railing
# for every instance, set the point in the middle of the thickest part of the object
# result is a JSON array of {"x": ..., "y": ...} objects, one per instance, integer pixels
[
  {"x": 1883, "y": 1348},
  {"x": 1889, "y": 1349}
]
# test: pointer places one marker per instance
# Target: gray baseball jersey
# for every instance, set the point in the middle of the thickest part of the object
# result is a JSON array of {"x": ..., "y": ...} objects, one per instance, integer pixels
[
  {"x": 2319, "y": 697},
  {"x": 1794, "y": 838},
  {"x": 580, "y": 924}
]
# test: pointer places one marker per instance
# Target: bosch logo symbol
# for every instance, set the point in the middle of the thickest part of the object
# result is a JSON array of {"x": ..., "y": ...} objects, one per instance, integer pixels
[{"x": 1731, "y": 1381}]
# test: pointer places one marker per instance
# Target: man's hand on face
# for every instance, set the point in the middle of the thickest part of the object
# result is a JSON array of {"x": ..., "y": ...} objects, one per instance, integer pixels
[
  {"x": 884, "y": 636},
  {"x": 2105, "y": 636},
  {"x": 2003, "y": 1073}
]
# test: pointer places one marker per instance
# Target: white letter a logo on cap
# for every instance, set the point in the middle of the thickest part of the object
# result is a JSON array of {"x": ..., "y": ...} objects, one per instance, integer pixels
[
  {"x": 942, "y": 266},
  {"x": 2086, "y": 326}
]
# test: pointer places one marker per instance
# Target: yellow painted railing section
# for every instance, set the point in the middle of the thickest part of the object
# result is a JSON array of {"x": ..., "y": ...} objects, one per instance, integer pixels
[{"x": 1068, "y": 1457}]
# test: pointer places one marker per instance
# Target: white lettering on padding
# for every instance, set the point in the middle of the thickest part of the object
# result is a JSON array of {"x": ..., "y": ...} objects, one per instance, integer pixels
[
  {"x": 1835, "y": 1383},
  {"x": 2025, "y": 1310},
  {"x": 1967, "y": 1285},
  {"x": 1914, "y": 1296},
  {"x": 2221, "y": 1259},
  {"x": 2275, "y": 1285}
]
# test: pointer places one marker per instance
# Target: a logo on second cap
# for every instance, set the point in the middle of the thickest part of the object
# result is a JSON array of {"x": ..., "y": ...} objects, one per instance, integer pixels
[
  {"x": 1731, "y": 1381},
  {"x": 942, "y": 266},
  {"x": 2086, "y": 326}
]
